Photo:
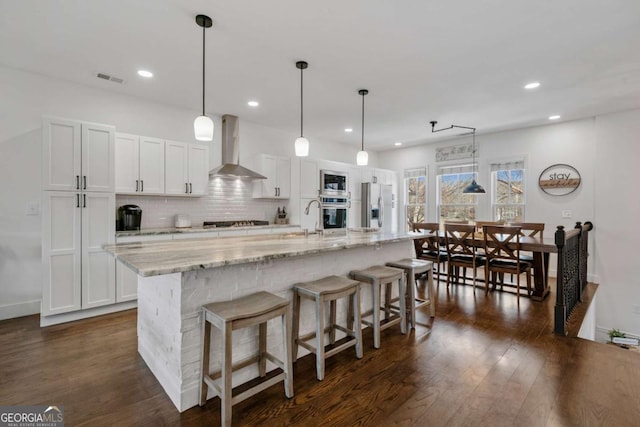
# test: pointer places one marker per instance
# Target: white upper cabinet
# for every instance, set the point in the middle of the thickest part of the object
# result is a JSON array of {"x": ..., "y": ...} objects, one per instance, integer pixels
[
  {"x": 139, "y": 164},
  {"x": 77, "y": 156},
  {"x": 127, "y": 163},
  {"x": 186, "y": 169},
  {"x": 151, "y": 165},
  {"x": 278, "y": 173},
  {"x": 98, "y": 158},
  {"x": 176, "y": 174},
  {"x": 309, "y": 178},
  {"x": 198, "y": 170}
]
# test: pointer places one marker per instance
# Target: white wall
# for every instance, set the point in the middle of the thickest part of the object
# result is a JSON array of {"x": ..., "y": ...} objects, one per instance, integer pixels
[
  {"x": 617, "y": 205},
  {"x": 26, "y": 97},
  {"x": 605, "y": 151}
]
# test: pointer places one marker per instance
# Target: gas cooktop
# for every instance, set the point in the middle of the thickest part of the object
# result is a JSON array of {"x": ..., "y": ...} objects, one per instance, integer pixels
[{"x": 223, "y": 224}]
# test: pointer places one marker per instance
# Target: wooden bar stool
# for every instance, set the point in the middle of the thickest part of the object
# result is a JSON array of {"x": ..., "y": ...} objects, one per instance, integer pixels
[
  {"x": 227, "y": 316},
  {"x": 377, "y": 276},
  {"x": 328, "y": 289},
  {"x": 412, "y": 268}
]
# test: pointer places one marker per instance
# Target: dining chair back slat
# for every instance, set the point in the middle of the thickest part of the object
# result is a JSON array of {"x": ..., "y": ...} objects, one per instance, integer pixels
[
  {"x": 530, "y": 229},
  {"x": 502, "y": 250},
  {"x": 461, "y": 252},
  {"x": 428, "y": 248}
]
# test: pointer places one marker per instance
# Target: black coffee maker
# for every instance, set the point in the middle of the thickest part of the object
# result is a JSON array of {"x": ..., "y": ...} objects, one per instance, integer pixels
[{"x": 129, "y": 218}]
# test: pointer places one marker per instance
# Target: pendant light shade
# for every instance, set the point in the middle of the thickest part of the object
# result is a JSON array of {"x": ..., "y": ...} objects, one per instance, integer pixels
[
  {"x": 203, "y": 128},
  {"x": 203, "y": 125},
  {"x": 302, "y": 147},
  {"x": 474, "y": 187},
  {"x": 362, "y": 158},
  {"x": 301, "y": 144}
]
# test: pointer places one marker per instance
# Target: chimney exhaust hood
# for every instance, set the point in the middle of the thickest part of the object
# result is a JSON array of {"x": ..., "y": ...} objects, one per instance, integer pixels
[{"x": 231, "y": 153}]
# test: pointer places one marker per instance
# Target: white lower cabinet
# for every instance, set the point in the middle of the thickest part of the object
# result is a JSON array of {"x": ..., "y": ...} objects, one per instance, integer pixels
[
  {"x": 127, "y": 283},
  {"x": 77, "y": 273}
]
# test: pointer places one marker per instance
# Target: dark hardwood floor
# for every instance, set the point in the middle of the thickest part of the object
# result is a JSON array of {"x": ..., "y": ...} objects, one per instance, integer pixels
[{"x": 485, "y": 361}]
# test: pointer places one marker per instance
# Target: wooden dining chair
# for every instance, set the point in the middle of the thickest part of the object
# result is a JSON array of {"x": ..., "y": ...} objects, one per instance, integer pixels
[
  {"x": 429, "y": 248},
  {"x": 480, "y": 224},
  {"x": 461, "y": 253},
  {"x": 530, "y": 229},
  {"x": 502, "y": 251}
]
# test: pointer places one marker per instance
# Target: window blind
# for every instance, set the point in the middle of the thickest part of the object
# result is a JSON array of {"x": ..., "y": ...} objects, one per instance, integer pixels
[
  {"x": 415, "y": 172},
  {"x": 453, "y": 169},
  {"x": 515, "y": 164}
]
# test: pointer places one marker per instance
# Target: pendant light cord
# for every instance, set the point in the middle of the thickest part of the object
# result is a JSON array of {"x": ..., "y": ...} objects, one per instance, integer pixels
[
  {"x": 203, "y": 50},
  {"x": 301, "y": 102},
  {"x": 363, "y": 122}
]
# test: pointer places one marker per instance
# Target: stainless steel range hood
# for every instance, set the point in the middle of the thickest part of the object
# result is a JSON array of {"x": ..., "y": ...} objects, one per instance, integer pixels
[{"x": 231, "y": 153}]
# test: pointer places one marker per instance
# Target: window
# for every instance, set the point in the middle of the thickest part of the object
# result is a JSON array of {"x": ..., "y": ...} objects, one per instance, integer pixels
[
  {"x": 415, "y": 190},
  {"x": 508, "y": 191},
  {"x": 453, "y": 204}
]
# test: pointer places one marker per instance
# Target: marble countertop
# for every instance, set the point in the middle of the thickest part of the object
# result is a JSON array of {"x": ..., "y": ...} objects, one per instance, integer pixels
[
  {"x": 200, "y": 229},
  {"x": 175, "y": 256}
]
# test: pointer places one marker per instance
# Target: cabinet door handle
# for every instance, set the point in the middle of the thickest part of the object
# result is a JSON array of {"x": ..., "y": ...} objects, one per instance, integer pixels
[
  {"x": 137, "y": 184},
  {"x": 77, "y": 200},
  {"x": 84, "y": 200},
  {"x": 142, "y": 185},
  {"x": 84, "y": 182},
  {"x": 77, "y": 182},
  {"x": 186, "y": 187},
  {"x": 190, "y": 188}
]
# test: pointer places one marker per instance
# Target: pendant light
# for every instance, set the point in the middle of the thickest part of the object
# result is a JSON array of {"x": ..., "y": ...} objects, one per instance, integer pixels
[
  {"x": 362, "y": 158},
  {"x": 301, "y": 144},
  {"x": 203, "y": 125},
  {"x": 474, "y": 187}
]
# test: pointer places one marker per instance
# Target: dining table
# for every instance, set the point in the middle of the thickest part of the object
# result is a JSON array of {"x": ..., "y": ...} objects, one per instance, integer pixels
[{"x": 540, "y": 248}]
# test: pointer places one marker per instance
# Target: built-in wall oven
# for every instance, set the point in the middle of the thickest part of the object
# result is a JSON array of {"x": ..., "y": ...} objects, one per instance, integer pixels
[
  {"x": 334, "y": 183},
  {"x": 333, "y": 214}
]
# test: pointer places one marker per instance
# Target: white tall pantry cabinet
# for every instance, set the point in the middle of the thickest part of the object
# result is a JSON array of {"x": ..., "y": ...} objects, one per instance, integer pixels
[{"x": 78, "y": 216}]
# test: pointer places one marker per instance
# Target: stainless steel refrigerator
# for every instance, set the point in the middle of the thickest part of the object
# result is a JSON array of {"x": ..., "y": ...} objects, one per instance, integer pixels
[{"x": 377, "y": 202}]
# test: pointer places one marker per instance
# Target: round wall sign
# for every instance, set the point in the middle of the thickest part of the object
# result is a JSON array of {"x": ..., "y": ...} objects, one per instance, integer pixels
[{"x": 559, "y": 180}]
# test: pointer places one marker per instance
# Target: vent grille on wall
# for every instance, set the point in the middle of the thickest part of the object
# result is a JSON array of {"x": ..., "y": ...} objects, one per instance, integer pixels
[{"x": 110, "y": 78}]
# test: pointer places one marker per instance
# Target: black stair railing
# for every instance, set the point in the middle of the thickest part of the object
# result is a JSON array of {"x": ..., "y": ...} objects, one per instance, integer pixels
[{"x": 573, "y": 253}]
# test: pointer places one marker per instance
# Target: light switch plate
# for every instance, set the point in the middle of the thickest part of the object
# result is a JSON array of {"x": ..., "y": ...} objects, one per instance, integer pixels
[
  {"x": 566, "y": 214},
  {"x": 33, "y": 209}
]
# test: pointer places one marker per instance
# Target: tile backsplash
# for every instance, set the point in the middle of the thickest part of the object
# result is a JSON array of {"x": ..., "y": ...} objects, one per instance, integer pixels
[{"x": 227, "y": 200}]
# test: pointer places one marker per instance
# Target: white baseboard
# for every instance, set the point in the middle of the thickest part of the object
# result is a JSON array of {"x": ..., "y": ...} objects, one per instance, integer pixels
[
  {"x": 84, "y": 314},
  {"x": 602, "y": 334},
  {"x": 20, "y": 309}
]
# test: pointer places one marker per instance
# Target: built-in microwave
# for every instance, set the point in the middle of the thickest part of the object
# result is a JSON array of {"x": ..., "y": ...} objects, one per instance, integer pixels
[{"x": 334, "y": 183}]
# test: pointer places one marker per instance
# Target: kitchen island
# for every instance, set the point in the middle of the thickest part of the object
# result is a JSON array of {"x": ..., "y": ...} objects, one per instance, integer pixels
[{"x": 175, "y": 278}]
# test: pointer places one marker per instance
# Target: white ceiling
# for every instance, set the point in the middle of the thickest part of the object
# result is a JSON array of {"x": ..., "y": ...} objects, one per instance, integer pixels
[{"x": 455, "y": 61}]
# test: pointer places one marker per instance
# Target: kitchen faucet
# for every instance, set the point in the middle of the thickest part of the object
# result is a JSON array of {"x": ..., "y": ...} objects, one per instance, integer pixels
[{"x": 306, "y": 211}]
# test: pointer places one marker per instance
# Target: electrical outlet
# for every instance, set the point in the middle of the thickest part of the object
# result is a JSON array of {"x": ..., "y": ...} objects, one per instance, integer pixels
[{"x": 566, "y": 214}]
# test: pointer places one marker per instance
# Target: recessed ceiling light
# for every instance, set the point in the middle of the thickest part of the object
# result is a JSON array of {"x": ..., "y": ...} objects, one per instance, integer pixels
[
  {"x": 253, "y": 103},
  {"x": 532, "y": 85},
  {"x": 145, "y": 73},
  {"x": 555, "y": 117},
  {"x": 348, "y": 130},
  {"x": 397, "y": 144}
]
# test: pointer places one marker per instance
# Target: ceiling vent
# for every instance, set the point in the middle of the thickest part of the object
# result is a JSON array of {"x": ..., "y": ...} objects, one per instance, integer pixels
[{"x": 114, "y": 79}]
